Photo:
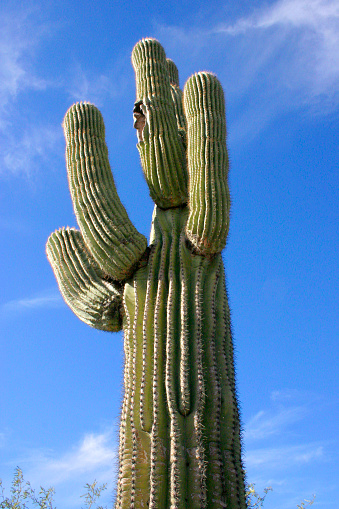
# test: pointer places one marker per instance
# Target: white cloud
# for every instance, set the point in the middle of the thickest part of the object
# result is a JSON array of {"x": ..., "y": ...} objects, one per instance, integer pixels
[
  {"x": 47, "y": 299},
  {"x": 296, "y": 13},
  {"x": 22, "y": 156},
  {"x": 268, "y": 423},
  {"x": 313, "y": 28},
  {"x": 283, "y": 449},
  {"x": 282, "y": 57},
  {"x": 24, "y": 140},
  {"x": 94, "y": 457},
  {"x": 2, "y": 439},
  {"x": 92, "y": 88},
  {"x": 19, "y": 35},
  {"x": 93, "y": 453},
  {"x": 281, "y": 458},
  {"x": 283, "y": 395}
]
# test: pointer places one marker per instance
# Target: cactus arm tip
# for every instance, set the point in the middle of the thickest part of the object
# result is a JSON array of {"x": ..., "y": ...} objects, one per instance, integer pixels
[
  {"x": 209, "y": 199},
  {"x": 162, "y": 149},
  {"x": 91, "y": 295}
]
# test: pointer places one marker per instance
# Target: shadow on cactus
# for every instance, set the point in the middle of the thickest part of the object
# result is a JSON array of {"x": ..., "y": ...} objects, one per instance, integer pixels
[{"x": 180, "y": 431}]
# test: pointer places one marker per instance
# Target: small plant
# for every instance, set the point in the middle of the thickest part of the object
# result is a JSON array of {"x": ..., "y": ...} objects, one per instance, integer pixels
[
  {"x": 93, "y": 493},
  {"x": 23, "y": 496},
  {"x": 256, "y": 501},
  {"x": 306, "y": 503},
  {"x": 253, "y": 499}
]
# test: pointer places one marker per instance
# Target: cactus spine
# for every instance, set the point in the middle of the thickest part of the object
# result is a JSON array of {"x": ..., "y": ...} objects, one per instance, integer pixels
[{"x": 180, "y": 442}]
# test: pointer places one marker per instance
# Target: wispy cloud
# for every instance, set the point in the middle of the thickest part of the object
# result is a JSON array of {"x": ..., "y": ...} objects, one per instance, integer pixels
[
  {"x": 25, "y": 140},
  {"x": 2, "y": 439},
  {"x": 313, "y": 28},
  {"x": 19, "y": 36},
  {"x": 284, "y": 395},
  {"x": 94, "y": 453},
  {"x": 265, "y": 424},
  {"x": 296, "y": 13},
  {"x": 282, "y": 458},
  {"x": 98, "y": 86},
  {"x": 282, "y": 57},
  {"x": 22, "y": 156},
  {"x": 277, "y": 453},
  {"x": 47, "y": 299},
  {"x": 94, "y": 457},
  {"x": 86, "y": 87}
]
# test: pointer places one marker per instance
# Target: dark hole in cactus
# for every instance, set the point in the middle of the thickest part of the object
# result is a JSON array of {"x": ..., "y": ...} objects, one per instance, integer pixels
[{"x": 139, "y": 119}]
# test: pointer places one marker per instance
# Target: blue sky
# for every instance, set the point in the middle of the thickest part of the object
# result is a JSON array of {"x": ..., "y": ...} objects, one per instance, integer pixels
[{"x": 61, "y": 381}]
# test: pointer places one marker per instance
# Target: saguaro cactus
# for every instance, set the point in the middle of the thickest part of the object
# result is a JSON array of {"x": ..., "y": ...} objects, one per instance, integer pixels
[{"x": 180, "y": 432}]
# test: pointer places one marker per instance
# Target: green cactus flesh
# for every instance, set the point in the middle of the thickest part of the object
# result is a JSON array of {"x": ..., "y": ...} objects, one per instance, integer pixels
[{"x": 180, "y": 444}]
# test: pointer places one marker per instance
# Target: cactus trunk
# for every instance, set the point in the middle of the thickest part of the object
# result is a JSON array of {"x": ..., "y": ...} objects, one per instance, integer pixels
[{"x": 180, "y": 436}]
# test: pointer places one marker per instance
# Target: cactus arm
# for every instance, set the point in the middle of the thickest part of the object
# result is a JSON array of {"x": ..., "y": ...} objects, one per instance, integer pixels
[
  {"x": 162, "y": 150},
  {"x": 177, "y": 96},
  {"x": 108, "y": 233},
  {"x": 93, "y": 299},
  {"x": 172, "y": 72},
  {"x": 209, "y": 200}
]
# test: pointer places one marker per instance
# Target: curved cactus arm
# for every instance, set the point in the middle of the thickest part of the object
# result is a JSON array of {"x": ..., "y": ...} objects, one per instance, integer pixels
[
  {"x": 96, "y": 301},
  {"x": 162, "y": 149},
  {"x": 173, "y": 72},
  {"x": 209, "y": 200},
  {"x": 177, "y": 95},
  {"x": 107, "y": 230}
]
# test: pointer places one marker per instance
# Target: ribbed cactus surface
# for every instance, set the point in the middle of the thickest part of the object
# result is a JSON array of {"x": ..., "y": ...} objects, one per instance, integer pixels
[{"x": 180, "y": 430}]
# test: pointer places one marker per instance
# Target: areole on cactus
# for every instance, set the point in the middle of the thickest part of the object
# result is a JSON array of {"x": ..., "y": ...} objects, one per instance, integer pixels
[{"x": 180, "y": 441}]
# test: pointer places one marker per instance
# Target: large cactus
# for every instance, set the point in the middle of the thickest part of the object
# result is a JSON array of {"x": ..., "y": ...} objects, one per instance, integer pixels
[{"x": 180, "y": 432}]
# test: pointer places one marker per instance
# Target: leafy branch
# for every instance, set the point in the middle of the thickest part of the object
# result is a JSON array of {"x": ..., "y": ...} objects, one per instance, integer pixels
[
  {"x": 253, "y": 499},
  {"x": 23, "y": 496}
]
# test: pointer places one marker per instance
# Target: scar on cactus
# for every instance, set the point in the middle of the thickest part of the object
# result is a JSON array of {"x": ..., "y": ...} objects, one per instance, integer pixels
[{"x": 180, "y": 444}]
